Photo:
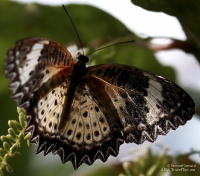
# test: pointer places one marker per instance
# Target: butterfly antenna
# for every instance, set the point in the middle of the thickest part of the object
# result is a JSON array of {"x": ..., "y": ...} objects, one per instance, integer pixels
[
  {"x": 110, "y": 46},
  {"x": 74, "y": 27}
]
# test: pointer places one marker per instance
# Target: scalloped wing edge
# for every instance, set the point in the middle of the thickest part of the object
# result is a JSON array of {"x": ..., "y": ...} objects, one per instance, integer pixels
[
  {"x": 156, "y": 130},
  {"x": 68, "y": 152}
]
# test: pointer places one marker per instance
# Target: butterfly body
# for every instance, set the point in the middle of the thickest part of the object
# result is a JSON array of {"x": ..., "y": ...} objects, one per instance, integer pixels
[
  {"x": 77, "y": 77},
  {"x": 85, "y": 113}
]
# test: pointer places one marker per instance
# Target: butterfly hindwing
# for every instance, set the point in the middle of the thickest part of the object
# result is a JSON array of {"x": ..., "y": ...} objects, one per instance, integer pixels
[
  {"x": 32, "y": 63},
  {"x": 44, "y": 128},
  {"x": 87, "y": 134},
  {"x": 147, "y": 104}
]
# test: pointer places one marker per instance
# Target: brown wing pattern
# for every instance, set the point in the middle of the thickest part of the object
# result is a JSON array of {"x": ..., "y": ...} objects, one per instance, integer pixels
[
  {"x": 44, "y": 117},
  {"x": 145, "y": 104},
  {"x": 86, "y": 135},
  {"x": 117, "y": 103}
]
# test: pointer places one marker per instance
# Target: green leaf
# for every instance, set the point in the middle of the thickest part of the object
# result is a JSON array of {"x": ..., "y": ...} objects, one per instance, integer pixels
[
  {"x": 14, "y": 148},
  {"x": 9, "y": 168},
  {"x": 8, "y": 139},
  {"x": 12, "y": 133},
  {"x": 22, "y": 119},
  {"x": 15, "y": 125},
  {"x": 21, "y": 137},
  {"x": 2, "y": 152},
  {"x": 6, "y": 146}
]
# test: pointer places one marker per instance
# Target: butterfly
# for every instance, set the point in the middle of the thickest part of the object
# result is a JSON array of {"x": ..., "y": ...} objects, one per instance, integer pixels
[{"x": 85, "y": 113}]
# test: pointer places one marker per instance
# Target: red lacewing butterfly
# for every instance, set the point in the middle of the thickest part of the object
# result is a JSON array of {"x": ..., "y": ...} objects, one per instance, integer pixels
[{"x": 85, "y": 113}]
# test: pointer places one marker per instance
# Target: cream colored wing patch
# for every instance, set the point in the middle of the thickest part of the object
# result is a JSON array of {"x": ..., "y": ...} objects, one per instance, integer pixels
[
  {"x": 49, "y": 110},
  {"x": 87, "y": 123}
]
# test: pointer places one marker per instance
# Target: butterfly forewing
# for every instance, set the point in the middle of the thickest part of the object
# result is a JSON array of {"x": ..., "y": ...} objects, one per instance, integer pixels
[
  {"x": 147, "y": 104},
  {"x": 39, "y": 71},
  {"x": 32, "y": 63}
]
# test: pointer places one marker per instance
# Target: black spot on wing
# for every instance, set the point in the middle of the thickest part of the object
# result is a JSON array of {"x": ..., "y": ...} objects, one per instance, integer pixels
[
  {"x": 96, "y": 133},
  {"x": 78, "y": 136},
  {"x": 85, "y": 114},
  {"x": 88, "y": 136},
  {"x": 69, "y": 132},
  {"x": 73, "y": 121}
]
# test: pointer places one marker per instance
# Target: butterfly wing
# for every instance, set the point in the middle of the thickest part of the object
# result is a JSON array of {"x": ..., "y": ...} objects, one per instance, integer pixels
[
  {"x": 143, "y": 104},
  {"x": 39, "y": 71},
  {"x": 117, "y": 103},
  {"x": 87, "y": 135},
  {"x": 36, "y": 64}
]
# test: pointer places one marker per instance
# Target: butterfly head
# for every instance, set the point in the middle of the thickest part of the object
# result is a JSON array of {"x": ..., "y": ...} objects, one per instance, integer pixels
[{"x": 82, "y": 58}]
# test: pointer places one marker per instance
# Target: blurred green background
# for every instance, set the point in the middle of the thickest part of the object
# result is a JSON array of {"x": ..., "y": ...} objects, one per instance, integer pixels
[{"x": 96, "y": 29}]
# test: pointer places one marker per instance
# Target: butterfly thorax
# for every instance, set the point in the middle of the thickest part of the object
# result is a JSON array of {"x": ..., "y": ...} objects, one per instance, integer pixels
[{"x": 79, "y": 70}]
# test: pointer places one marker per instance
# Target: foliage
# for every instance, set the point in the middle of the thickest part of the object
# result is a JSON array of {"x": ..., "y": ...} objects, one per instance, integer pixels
[
  {"x": 12, "y": 141},
  {"x": 143, "y": 161},
  {"x": 162, "y": 164},
  {"x": 147, "y": 165},
  {"x": 187, "y": 12}
]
